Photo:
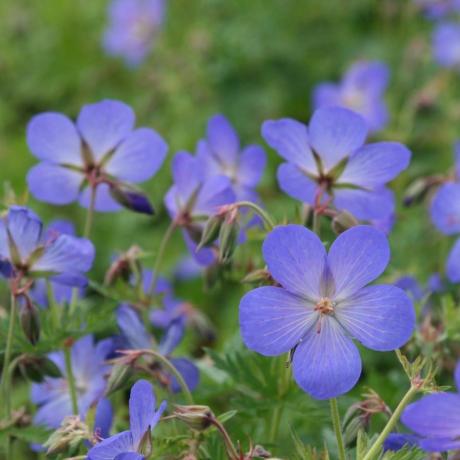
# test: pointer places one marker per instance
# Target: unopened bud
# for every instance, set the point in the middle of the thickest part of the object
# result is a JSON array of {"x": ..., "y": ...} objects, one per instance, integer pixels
[
  {"x": 211, "y": 231},
  {"x": 416, "y": 191},
  {"x": 123, "y": 266},
  {"x": 343, "y": 221},
  {"x": 36, "y": 368},
  {"x": 198, "y": 418},
  {"x": 228, "y": 238},
  {"x": 131, "y": 198},
  {"x": 260, "y": 275},
  {"x": 70, "y": 434},
  {"x": 30, "y": 321},
  {"x": 119, "y": 377}
]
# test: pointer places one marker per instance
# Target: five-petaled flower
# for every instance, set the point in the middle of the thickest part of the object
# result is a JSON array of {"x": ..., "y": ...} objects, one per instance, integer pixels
[
  {"x": 97, "y": 159},
  {"x": 27, "y": 252},
  {"x": 133, "y": 25},
  {"x": 329, "y": 163},
  {"x": 322, "y": 303},
  {"x": 362, "y": 89},
  {"x": 143, "y": 418}
]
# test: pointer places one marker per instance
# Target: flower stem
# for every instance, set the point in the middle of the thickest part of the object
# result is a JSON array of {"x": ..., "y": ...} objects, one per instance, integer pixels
[
  {"x": 71, "y": 379},
  {"x": 315, "y": 225},
  {"x": 375, "y": 449},
  {"x": 258, "y": 210},
  {"x": 337, "y": 428},
  {"x": 164, "y": 242},
  {"x": 90, "y": 213},
  {"x": 172, "y": 369}
]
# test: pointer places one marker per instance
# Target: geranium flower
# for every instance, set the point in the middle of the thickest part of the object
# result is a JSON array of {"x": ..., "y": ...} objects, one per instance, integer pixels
[
  {"x": 362, "y": 90},
  {"x": 101, "y": 152},
  {"x": 323, "y": 303},
  {"x": 143, "y": 418},
  {"x": 329, "y": 163}
]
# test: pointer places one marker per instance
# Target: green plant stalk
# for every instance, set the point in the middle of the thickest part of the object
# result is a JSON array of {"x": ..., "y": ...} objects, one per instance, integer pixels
[
  {"x": 337, "y": 428},
  {"x": 71, "y": 379},
  {"x": 171, "y": 368},
  {"x": 90, "y": 214},
  {"x": 375, "y": 449},
  {"x": 164, "y": 243},
  {"x": 258, "y": 210}
]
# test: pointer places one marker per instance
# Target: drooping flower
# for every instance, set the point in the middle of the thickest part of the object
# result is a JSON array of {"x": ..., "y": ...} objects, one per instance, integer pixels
[
  {"x": 102, "y": 151},
  {"x": 323, "y": 303},
  {"x": 133, "y": 26},
  {"x": 362, "y": 90},
  {"x": 222, "y": 155},
  {"x": 329, "y": 163},
  {"x": 89, "y": 370},
  {"x": 193, "y": 198},
  {"x": 143, "y": 418},
  {"x": 435, "y": 419},
  {"x": 26, "y": 251},
  {"x": 136, "y": 337},
  {"x": 446, "y": 44}
]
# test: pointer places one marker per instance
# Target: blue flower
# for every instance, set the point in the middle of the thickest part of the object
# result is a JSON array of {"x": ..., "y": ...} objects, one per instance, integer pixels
[
  {"x": 222, "y": 155},
  {"x": 328, "y": 163},
  {"x": 133, "y": 25},
  {"x": 89, "y": 370},
  {"x": 446, "y": 44},
  {"x": 102, "y": 151},
  {"x": 436, "y": 9},
  {"x": 362, "y": 90},
  {"x": 322, "y": 303},
  {"x": 26, "y": 250},
  {"x": 142, "y": 418}
]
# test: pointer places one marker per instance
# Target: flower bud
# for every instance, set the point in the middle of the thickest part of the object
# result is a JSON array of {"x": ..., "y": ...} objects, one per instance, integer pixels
[
  {"x": 416, "y": 191},
  {"x": 36, "y": 368},
  {"x": 145, "y": 445},
  {"x": 260, "y": 275},
  {"x": 131, "y": 198},
  {"x": 211, "y": 231},
  {"x": 228, "y": 237},
  {"x": 198, "y": 418},
  {"x": 30, "y": 321},
  {"x": 118, "y": 378},
  {"x": 343, "y": 221},
  {"x": 124, "y": 265},
  {"x": 71, "y": 433}
]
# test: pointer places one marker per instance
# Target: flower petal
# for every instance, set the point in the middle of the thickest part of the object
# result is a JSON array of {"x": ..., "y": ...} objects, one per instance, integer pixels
[
  {"x": 53, "y": 137},
  {"x": 435, "y": 415},
  {"x": 132, "y": 328},
  {"x": 295, "y": 183},
  {"x": 111, "y": 447},
  {"x": 336, "y": 133},
  {"x": 272, "y": 320},
  {"x": 252, "y": 165},
  {"x": 187, "y": 175},
  {"x": 380, "y": 317},
  {"x": 326, "y": 364},
  {"x": 326, "y": 95},
  {"x": 357, "y": 257},
  {"x": 290, "y": 139},
  {"x": 365, "y": 205},
  {"x": 104, "y": 125},
  {"x": 129, "y": 456},
  {"x": 52, "y": 413},
  {"x": 138, "y": 157},
  {"x": 54, "y": 184},
  {"x": 396, "y": 441},
  {"x": 439, "y": 444},
  {"x": 223, "y": 139},
  {"x": 453, "y": 263},
  {"x": 103, "y": 418},
  {"x": 445, "y": 209},
  {"x": 375, "y": 164},
  {"x": 214, "y": 193},
  {"x": 189, "y": 372},
  {"x": 141, "y": 410},
  {"x": 104, "y": 201},
  {"x": 296, "y": 258}
]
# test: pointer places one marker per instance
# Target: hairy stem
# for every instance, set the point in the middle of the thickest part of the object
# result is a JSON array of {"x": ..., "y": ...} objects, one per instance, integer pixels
[
  {"x": 71, "y": 379},
  {"x": 337, "y": 428}
]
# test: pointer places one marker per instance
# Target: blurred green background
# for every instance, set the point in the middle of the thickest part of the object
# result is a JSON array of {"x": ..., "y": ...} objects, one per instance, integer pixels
[{"x": 251, "y": 60}]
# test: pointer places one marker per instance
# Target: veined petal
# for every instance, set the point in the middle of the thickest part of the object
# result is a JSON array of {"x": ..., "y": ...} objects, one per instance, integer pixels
[
  {"x": 336, "y": 133},
  {"x": 251, "y": 165},
  {"x": 103, "y": 418},
  {"x": 272, "y": 320},
  {"x": 141, "y": 410},
  {"x": 290, "y": 139},
  {"x": 357, "y": 257},
  {"x": 375, "y": 164},
  {"x": 187, "y": 174},
  {"x": 104, "y": 201},
  {"x": 132, "y": 328},
  {"x": 295, "y": 183},
  {"x": 223, "y": 139},
  {"x": 53, "y": 137},
  {"x": 453, "y": 263},
  {"x": 365, "y": 205},
  {"x": 326, "y": 364},
  {"x": 435, "y": 415},
  {"x": 296, "y": 258},
  {"x": 138, "y": 157},
  {"x": 439, "y": 444},
  {"x": 214, "y": 193},
  {"x": 380, "y": 317},
  {"x": 104, "y": 125},
  {"x": 445, "y": 209},
  {"x": 53, "y": 183},
  {"x": 111, "y": 447}
]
